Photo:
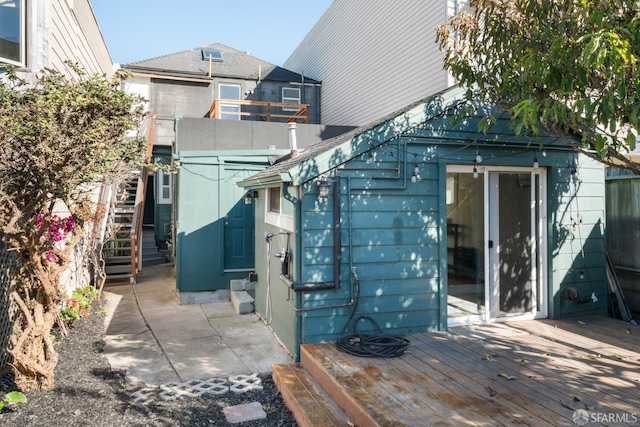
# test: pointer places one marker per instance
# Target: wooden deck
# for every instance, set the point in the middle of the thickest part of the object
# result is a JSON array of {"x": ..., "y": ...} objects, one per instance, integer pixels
[{"x": 534, "y": 373}]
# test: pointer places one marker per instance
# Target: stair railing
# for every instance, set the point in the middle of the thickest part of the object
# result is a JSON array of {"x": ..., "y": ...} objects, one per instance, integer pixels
[
  {"x": 104, "y": 231},
  {"x": 138, "y": 211}
]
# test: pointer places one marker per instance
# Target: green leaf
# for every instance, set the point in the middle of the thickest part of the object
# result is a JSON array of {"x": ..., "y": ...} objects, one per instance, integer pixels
[
  {"x": 15, "y": 397},
  {"x": 507, "y": 376},
  {"x": 484, "y": 124},
  {"x": 622, "y": 91},
  {"x": 601, "y": 145},
  {"x": 630, "y": 140}
]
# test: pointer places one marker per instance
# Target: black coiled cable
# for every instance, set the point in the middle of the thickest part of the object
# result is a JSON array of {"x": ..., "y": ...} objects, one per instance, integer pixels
[{"x": 369, "y": 345}]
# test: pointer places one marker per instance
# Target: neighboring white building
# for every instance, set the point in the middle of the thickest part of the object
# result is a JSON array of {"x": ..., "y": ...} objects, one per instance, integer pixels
[
  {"x": 374, "y": 56},
  {"x": 44, "y": 33},
  {"x": 38, "y": 34}
]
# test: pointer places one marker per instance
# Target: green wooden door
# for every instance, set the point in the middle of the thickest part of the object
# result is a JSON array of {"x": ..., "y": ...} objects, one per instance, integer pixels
[
  {"x": 239, "y": 252},
  {"x": 238, "y": 238}
]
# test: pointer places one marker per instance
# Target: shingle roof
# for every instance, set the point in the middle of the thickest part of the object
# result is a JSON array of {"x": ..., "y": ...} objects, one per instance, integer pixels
[{"x": 235, "y": 64}]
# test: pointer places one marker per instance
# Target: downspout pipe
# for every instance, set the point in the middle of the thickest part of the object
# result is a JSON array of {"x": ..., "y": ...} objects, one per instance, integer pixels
[
  {"x": 298, "y": 228},
  {"x": 337, "y": 250}
]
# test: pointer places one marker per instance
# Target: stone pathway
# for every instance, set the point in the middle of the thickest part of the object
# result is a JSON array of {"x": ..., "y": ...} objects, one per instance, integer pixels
[{"x": 195, "y": 388}]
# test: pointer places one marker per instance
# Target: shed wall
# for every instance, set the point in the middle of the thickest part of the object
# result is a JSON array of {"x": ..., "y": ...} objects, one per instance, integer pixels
[
  {"x": 205, "y": 194},
  {"x": 392, "y": 233}
]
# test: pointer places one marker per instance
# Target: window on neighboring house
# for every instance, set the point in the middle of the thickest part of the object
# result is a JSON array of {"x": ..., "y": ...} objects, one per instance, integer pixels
[
  {"x": 164, "y": 187},
  {"x": 290, "y": 95},
  {"x": 12, "y": 32},
  {"x": 229, "y": 111}
]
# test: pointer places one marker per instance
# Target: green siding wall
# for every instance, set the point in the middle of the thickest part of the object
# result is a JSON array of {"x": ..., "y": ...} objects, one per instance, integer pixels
[
  {"x": 274, "y": 302},
  {"x": 392, "y": 233},
  {"x": 576, "y": 241},
  {"x": 206, "y": 191}
]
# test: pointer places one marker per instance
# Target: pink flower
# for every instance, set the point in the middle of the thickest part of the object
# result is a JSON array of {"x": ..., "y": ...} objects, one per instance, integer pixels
[{"x": 51, "y": 256}]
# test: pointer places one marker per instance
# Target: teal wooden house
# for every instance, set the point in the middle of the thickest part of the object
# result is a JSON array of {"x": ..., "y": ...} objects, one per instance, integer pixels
[
  {"x": 427, "y": 224},
  {"x": 213, "y": 218}
]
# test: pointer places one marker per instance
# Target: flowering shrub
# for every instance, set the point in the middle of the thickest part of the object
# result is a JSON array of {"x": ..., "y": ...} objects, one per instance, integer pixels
[
  {"x": 57, "y": 231},
  {"x": 79, "y": 305},
  {"x": 87, "y": 214}
]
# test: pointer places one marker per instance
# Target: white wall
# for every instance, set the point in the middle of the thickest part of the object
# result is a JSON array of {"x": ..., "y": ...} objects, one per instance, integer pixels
[
  {"x": 374, "y": 56},
  {"x": 59, "y": 30}
]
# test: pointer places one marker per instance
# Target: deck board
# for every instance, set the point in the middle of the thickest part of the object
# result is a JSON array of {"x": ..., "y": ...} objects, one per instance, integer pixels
[
  {"x": 453, "y": 377},
  {"x": 379, "y": 383},
  {"x": 523, "y": 406},
  {"x": 562, "y": 355},
  {"x": 564, "y": 364}
]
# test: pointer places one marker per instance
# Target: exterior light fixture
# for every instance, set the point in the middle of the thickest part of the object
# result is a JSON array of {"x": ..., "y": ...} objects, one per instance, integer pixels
[
  {"x": 249, "y": 196},
  {"x": 535, "y": 161},
  {"x": 478, "y": 156},
  {"x": 323, "y": 187},
  {"x": 415, "y": 176},
  {"x": 475, "y": 171}
]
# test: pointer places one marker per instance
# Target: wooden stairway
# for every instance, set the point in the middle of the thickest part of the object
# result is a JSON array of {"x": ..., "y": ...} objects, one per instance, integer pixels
[
  {"x": 326, "y": 389},
  {"x": 151, "y": 255},
  {"x": 119, "y": 249}
]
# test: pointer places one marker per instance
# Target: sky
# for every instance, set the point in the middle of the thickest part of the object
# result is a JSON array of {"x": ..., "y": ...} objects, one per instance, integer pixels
[{"x": 136, "y": 30}]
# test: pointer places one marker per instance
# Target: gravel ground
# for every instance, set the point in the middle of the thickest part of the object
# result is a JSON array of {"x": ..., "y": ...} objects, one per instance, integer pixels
[{"x": 89, "y": 393}]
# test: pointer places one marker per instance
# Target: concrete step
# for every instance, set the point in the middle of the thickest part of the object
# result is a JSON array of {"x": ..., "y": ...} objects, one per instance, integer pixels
[
  {"x": 119, "y": 279},
  {"x": 242, "y": 285},
  {"x": 310, "y": 404},
  {"x": 242, "y": 302}
]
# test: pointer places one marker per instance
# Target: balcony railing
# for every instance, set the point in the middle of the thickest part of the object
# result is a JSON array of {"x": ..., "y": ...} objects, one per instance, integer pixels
[{"x": 268, "y": 111}]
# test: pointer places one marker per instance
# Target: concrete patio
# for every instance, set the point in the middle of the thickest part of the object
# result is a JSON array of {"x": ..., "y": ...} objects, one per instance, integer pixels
[{"x": 157, "y": 341}]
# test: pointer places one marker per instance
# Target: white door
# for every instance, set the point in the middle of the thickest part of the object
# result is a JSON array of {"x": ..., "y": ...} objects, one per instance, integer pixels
[
  {"x": 496, "y": 251},
  {"x": 513, "y": 244}
]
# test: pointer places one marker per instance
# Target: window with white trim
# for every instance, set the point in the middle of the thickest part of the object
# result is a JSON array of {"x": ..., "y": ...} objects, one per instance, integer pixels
[
  {"x": 12, "y": 32},
  {"x": 229, "y": 111},
  {"x": 274, "y": 199},
  {"x": 278, "y": 211},
  {"x": 163, "y": 185},
  {"x": 290, "y": 95}
]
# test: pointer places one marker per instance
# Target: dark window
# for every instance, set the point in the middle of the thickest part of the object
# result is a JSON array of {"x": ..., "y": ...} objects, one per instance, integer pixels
[
  {"x": 12, "y": 38},
  {"x": 274, "y": 199}
]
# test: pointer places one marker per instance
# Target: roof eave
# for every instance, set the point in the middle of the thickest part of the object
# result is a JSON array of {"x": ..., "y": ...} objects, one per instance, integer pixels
[
  {"x": 377, "y": 134},
  {"x": 265, "y": 181}
]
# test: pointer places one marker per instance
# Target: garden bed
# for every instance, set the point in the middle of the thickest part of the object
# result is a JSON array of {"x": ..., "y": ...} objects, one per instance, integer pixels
[{"x": 88, "y": 392}]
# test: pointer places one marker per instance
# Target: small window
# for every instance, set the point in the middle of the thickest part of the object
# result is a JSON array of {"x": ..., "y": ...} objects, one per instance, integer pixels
[
  {"x": 211, "y": 54},
  {"x": 274, "y": 199},
  {"x": 12, "y": 32},
  {"x": 290, "y": 95},
  {"x": 164, "y": 187},
  {"x": 229, "y": 111}
]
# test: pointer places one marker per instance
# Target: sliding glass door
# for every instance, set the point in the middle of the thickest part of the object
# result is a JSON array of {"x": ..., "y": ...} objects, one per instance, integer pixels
[{"x": 494, "y": 235}]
